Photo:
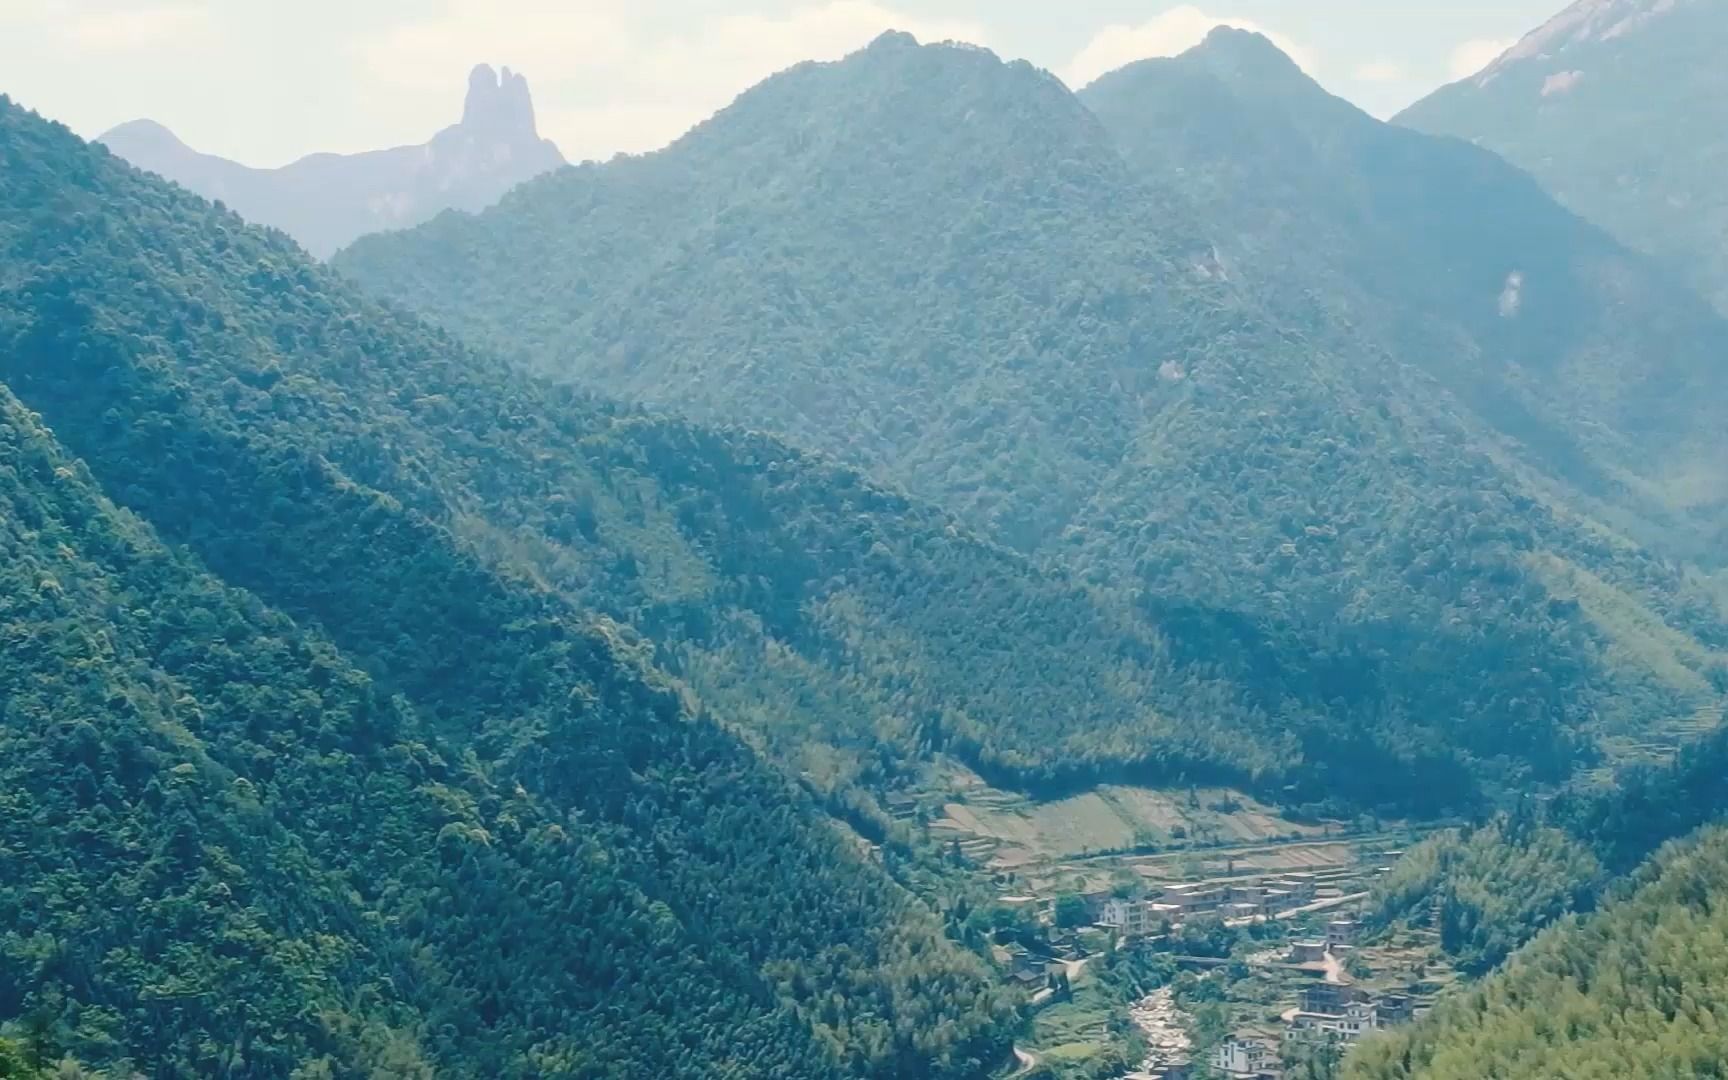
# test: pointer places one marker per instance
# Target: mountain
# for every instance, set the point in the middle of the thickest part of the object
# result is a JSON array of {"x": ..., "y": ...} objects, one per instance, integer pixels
[
  {"x": 1586, "y": 363},
  {"x": 1635, "y": 990},
  {"x": 231, "y": 850},
  {"x": 852, "y": 630},
  {"x": 949, "y": 271},
  {"x": 306, "y": 774},
  {"x": 1618, "y": 107},
  {"x": 325, "y": 201},
  {"x": 824, "y": 199}
]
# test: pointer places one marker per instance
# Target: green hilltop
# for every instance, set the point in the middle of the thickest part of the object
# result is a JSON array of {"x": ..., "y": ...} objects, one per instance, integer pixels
[{"x": 1367, "y": 507}]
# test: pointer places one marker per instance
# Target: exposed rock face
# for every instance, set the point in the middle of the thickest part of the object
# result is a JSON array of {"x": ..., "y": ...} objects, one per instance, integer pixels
[
  {"x": 326, "y": 201},
  {"x": 498, "y": 104}
]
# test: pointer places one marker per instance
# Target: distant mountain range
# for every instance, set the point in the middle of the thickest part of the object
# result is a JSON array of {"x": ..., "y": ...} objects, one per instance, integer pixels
[
  {"x": 1580, "y": 357},
  {"x": 1620, "y": 108},
  {"x": 1357, "y": 416},
  {"x": 325, "y": 201},
  {"x": 373, "y": 704}
]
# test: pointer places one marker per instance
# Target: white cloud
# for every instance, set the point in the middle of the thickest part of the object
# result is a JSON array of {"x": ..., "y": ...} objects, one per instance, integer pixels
[
  {"x": 154, "y": 27},
  {"x": 1380, "y": 71},
  {"x": 1472, "y": 56},
  {"x": 539, "y": 37},
  {"x": 1175, "y": 31},
  {"x": 603, "y": 84},
  {"x": 82, "y": 27}
]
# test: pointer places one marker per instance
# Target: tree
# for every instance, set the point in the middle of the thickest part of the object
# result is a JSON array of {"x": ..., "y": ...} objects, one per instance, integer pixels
[{"x": 1071, "y": 911}]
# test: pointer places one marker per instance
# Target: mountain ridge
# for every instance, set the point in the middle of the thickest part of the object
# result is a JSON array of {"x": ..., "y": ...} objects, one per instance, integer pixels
[
  {"x": 944, "y": 270},
  {"x": 1471, "y": 270},
  {"x": 326, "y": 200},
  {"x": 1616, "y": 106},
  {"x": 307, "y": 710}
]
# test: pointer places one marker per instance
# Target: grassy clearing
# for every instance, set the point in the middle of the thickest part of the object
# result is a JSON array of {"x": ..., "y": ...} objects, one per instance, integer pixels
[{"x": 1639, "y": 640}]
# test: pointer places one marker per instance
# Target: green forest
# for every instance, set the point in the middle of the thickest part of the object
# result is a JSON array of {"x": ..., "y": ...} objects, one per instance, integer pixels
[
  {"x": 1609, "y": 884},
  {"x": 853, "y": 630},
  {"x": 1264, "y": 469},
  {"x": 1637, "y": 990},
  {"x": 552, "y": 641},
  {"x": 1489, "y": 890},
  {"x": 319, "y": 790},
  {"x": 1595, "y": 373}
]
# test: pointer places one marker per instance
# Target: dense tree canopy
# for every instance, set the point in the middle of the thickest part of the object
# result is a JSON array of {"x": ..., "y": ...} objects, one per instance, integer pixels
[
  {"x": 321, "y": 789},
  {"x": 1489, "y": 890},
  {"x": 1571, "y": 352},
  {"x": 850, "y": 626},
  {"x": 372, "y": 708},
  {"x": 946, "y": 270},
  {"x": 1636, "y": 990}
]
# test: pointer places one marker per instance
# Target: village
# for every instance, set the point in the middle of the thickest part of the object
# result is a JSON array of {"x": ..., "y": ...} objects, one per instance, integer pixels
[
  {"x": 1246, "y": 923},
  {"x": 1315, "y": 974}
]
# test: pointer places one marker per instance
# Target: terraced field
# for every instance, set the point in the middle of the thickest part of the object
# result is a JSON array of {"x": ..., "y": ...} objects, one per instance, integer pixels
[
  {"x": 1006, "y": 829},
  {"x": 1657, "y": 747}
]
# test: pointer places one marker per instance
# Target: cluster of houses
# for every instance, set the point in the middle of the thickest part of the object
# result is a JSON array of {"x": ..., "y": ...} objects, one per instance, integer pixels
[
  {"x": 1329, "y": 1012},
  {"x": 1339, "y": 942},
  {"x": 1346, "y": 1013},
  {"x": 1032, "y": 971},
  {"x": 1244, "y": 901}
]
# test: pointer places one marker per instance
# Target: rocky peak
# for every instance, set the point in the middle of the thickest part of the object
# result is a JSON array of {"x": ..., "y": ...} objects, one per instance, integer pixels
[
  {"x": 499, "y": 104},
  {"x": 1247, "y": 49}
]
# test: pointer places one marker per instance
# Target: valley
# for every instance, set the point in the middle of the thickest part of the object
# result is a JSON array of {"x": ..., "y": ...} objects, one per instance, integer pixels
[
  {"x": 938, "y": 571},
  {"x": 1401, "y": 534},
  {"x": 1234, "y": 943},
  {"x": 1092, "y": 902}
]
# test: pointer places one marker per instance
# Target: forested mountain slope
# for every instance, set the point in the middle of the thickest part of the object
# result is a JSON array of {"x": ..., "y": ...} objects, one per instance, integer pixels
[
  {"x": 321, "y": 789},
  {"x": 1598, "y": 374},
  {"x": 500, "y": 849},
  {"x": 850, "y": 630},
  {"x": 1490, "y": 889},
  {"x": 1635, "y": 990},
  {"x": 1619, "y": 108},
  {"x": 820, "y": 607},
  {"x": 896, "y": 257},
  {"x": 943, "y": 268}
]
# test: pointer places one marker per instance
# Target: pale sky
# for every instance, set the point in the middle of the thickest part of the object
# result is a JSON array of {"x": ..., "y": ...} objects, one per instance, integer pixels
[{"x": 265, "y": 81}]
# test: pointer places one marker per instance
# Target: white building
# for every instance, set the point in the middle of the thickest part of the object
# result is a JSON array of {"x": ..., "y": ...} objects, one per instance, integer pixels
[
  {"x": 1132, "y": 917},
  {"x": 1244, "y": 1057},
  {"x": 1358, "y": 1019}
]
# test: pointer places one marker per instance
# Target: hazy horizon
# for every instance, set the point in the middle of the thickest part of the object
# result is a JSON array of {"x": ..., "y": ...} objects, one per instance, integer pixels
[{"x": 608, "y": 77}]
